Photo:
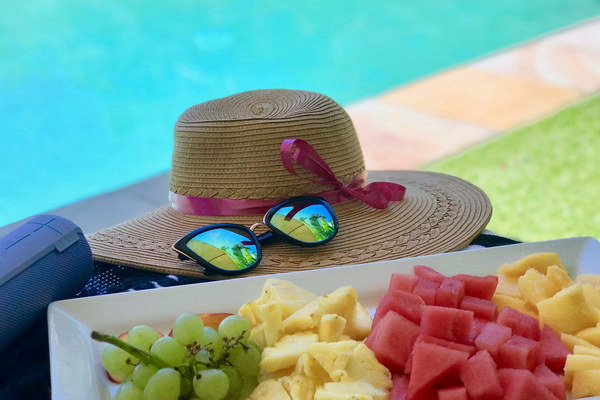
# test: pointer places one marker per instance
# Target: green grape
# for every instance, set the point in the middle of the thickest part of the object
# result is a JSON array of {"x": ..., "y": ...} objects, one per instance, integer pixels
[
  {"x": 164, "y": 385},
  {"x": 234, "y": 326},
  {"x": 211, "y": 384},
  {"x": 167, "y": 349},
  {"x": 118, "y": 363},
  {"x": 188, "y": 329},
  {"x": 211, "y": 340},
  {"x": 247, "y": 362},
  {"x": 248, "y": 386},
  {"x": 142, "y": 336},
  {"x": 253, "y": 344},
  {"x": 141, "y": 374},
  {"x": 235, "y": 379},
  {"x": 203, "y": 357},
  {"x": 128, "y": 391}
]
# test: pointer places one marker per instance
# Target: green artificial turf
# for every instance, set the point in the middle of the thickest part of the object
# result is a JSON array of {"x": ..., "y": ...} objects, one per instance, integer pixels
[{"x": 543, "y": 179}]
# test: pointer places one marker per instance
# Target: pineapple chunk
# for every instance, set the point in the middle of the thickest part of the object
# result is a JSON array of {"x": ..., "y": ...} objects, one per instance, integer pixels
[
  {"x": 356, "y": 390},
  {"x": 586, "y": 383},
  {"x": 532, "y": 286},
  {"x": 286, "y": 351},
  {"x": 331, "y": 327},
  {"x": 586, "y": 351},
  {"x": 333, "y": 357},
  {"x": 593, "y": 279},
  {"x": 508, "y": 285},
  {"x": 360, "y": 327},
  {"x": 591, "y": 335},
  {"x": 272, "y": 321},
  {"x": 581, "y": 362},
  {"x": 341, "y": 301},
  {"x": 502, "y": 300},
  {"x": 364, "y": 365},
  {"x": 571, "y": 341},
  {"x": 299, "y": 386},
  {"x": 568, "y": 311},
  {"x": 269, "y": 389},
  {"x": 592, "y": 294}
]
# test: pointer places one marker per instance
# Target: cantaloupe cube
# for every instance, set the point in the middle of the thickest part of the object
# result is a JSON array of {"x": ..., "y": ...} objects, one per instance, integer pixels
[
  {"x": 593, "y": 279},
  {"x": 568, "y": 311},
  {"x": 503, "y": 300},
  {"x": 592, "y": 294},
  {"x": 586, "y": 383},
  {"x": 571, "y": 341},
  {"x": 557, "y": 278},
  {"x": 538, "y": 261},
  {"x": 580, "y": 362},
  {"x": 591, "y": 335},
  {"x": 585, "y": 350},
  {"x": 508, "y": 285}
]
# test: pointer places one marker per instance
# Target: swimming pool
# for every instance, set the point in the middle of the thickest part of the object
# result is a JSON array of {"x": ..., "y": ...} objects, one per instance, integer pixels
[{"x": 90, "y": 89}]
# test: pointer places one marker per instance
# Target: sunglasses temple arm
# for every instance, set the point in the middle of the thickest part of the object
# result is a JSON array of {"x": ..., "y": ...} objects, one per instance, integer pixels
[{"x": 267, "y": 238}]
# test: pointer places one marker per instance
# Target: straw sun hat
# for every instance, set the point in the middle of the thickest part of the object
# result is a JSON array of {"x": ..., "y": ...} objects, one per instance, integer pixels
[{"x": 228, "y": 154}]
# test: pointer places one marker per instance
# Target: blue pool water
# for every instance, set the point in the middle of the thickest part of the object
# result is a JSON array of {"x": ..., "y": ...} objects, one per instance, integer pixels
[{"x": 90, "y": 89}]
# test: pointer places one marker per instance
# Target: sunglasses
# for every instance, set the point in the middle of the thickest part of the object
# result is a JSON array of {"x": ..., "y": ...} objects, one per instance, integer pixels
[{"x": 232, "y": 249}]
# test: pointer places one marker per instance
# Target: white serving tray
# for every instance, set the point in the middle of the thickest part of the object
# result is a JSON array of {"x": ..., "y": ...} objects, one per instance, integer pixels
[{"x": 76, "y": 372}]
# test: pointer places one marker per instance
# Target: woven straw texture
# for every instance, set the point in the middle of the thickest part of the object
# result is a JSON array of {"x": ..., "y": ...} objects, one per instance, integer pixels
[{"x": 229, "y": 148}]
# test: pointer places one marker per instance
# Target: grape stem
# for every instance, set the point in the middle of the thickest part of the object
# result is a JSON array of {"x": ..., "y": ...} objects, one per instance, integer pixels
[{"x": 144, "y": 356}]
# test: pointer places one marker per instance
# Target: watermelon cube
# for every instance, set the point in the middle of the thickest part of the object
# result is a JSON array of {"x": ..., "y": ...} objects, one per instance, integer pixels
[
  {"x": 399, "y": 387},
  {"x": 520, "y": 352},
  {"x": 521, "y": 384},
  {"x": 432, "y": 364},
  {"x": 554, "y": 350},
  {"x": 440, "y": 342},
  {"x": 447, "y": 323},
  {"x": 480, "y": 377},
  {"x": 406, "y": 304},
  {"x": 404, "y": 282},
  {"x": 450, "y": 293},
  {"x": 428, "y": 273},
  {"x": 482, "y": 287},
  {"x": 392, "y": 340},
  {"x": 520, "y": 323},
  {"x": 482, "y": 308},
  {"x": 426, "y": 290},
  {"x": 453, "y": 393},
  {"x": 551, "y": 381},
  {"x": 491, "y": 337}
]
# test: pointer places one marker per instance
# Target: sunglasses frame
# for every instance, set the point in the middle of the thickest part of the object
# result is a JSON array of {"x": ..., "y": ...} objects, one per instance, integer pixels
[{"x": 184, "y": 253}]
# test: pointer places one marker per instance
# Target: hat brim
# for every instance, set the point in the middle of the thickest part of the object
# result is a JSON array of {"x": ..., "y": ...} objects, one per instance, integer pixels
[{"x": 440, "y": 213}]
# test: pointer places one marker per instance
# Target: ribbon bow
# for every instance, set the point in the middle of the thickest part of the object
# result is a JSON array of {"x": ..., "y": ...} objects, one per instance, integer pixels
[{"x": 377, "y": 194}]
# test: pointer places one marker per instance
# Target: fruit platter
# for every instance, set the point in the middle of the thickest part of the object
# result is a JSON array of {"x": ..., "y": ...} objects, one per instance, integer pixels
[{"x": 469, "y": 324}]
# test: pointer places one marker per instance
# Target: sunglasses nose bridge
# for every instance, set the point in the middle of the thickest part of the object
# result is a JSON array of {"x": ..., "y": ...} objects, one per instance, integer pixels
[{"x": 257, "y": 225}]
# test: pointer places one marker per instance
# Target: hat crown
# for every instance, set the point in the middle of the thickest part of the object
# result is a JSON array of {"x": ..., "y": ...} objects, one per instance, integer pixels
[{"x": 230, "y": 147}]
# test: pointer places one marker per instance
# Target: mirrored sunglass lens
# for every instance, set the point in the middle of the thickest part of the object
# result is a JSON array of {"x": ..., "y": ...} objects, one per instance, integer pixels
[
  {"x": 229, "y": 249},
  {"x": 308, "y": 221}
]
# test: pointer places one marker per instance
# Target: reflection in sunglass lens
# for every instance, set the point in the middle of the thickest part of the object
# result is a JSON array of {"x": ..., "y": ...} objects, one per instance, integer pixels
[
  {"x": 229, "y": 249},
  {"x": 307, "y": 221}
]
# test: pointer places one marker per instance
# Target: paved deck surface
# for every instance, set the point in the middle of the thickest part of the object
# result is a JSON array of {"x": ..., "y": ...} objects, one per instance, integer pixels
[{"x": 427, "y": 120}]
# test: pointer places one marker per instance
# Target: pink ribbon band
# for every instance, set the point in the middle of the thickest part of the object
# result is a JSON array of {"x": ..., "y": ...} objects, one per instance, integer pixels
[{"x": 377, "y": 194}]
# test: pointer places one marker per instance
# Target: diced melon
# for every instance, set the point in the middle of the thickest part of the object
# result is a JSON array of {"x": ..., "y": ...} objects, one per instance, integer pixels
[
  {"x": 428, "y": 273},
  {"x": 404, "y": 282},
  {"x": 520, "y": 352},
  {"x": 453, "y": 393},
  {"x": 521, "y": 384},
  {"x": 520, "y": 323},
  {"x": 591, "y": 335},
  {"x": 586, "y": 383},
  {"x": 482, "y": 287},
  {"x": 555, "y": 352},
  {"x": 480, "y": 376},
  {"x": 450, "y": 293},
  {"x": 426, "y": 290},
  {"x": 551, "y": 381},
  {"x": 399, "y": 387},
  {"x": 432, "y": 363},
  {"x": 568, "y": 311},
  {"x": 447, "y": 323},
  {"x": 440, "y": 342},
  {"x": 492, "y": 336},
  {"x": 392, "y": 340},
  {"x": 538, "y": 261},
  {"x": 482, "y": 308},
  {"x": 406, "y": 304}
]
